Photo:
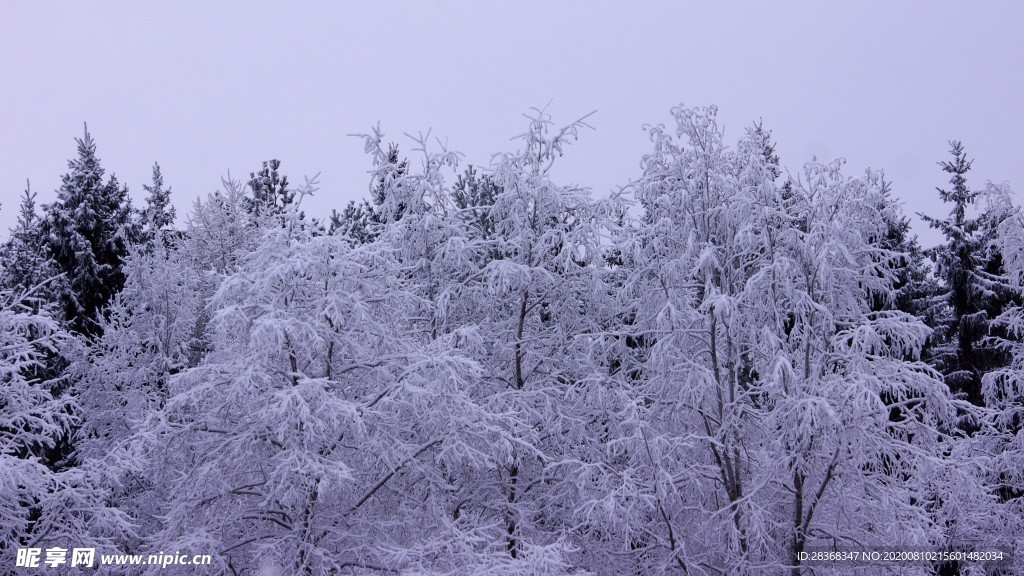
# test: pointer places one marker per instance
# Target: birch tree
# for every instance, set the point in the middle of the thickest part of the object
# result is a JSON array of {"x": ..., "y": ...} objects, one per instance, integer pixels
[
  {"x": 324, "y": 432},
  {"x": 762, "y": 424}
]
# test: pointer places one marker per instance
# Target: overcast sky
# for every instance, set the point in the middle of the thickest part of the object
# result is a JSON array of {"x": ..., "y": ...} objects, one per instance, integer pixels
[{"x": 208, "y": 87}]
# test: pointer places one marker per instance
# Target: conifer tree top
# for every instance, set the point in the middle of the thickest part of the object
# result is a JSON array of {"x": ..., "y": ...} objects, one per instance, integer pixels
[
  {"x": 27, "y": 210},
  {"x": 959, "y": 195},
  {"x": 84, "y": 172},
  {"x": 87, "y": 231}
]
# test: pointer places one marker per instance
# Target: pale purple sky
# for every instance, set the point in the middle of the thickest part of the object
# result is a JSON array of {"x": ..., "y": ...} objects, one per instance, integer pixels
[{"x": 207, "y": 87}]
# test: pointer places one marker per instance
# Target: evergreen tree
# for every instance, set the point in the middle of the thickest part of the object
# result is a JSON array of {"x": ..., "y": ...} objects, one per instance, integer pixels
[
  {"x": 975, "y": 293},
  {"x": 914, "y": 290},
  {"x": 762, "y": 141},
  {"x": 1003, "y": 389},
  {"x": 354, "y": 221},
  {"x": 88, "y": 230},
  {"x": 270, "y": 192},
  {"x": 27, "y": 266},
  {"x": 157, "y": 218}
]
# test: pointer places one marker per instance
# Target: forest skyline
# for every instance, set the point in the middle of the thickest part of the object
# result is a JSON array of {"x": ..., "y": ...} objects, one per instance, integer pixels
[{"x": 199, "y": 91}]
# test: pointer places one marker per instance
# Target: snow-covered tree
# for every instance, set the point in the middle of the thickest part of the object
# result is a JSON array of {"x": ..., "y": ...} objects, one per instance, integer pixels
[
  {"x": 362, "y": 222},
  {"x": 540, "y": 302},
  {"x": 474, "y": 193},
  {"x": 153, "y": 330},
  {"x": 88, "y": 230},
  {"x": 762, "y": 424},
  {"x": 157, "y": 218},
  {"x": 220, "y": 229},
  {"x": 26, "y": 262},
  {"x": 270, "y": 192},
  {"x": 975, "y": 292},
  {"x": 354, "y": 221},
  {"x": 1001, "y": 442},
  {"x": 43, "y": 505},
  {"x": 385, "y": 188}
]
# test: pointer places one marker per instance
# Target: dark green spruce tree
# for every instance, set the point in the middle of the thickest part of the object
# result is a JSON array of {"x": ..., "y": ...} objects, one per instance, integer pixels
[
  {"x": 974, "y": 291},
  {"x": 88, "y": 230}
]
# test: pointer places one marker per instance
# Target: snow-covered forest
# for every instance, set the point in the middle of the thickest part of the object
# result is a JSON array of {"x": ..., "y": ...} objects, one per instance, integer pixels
[{"x": 728, "y": 364}]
